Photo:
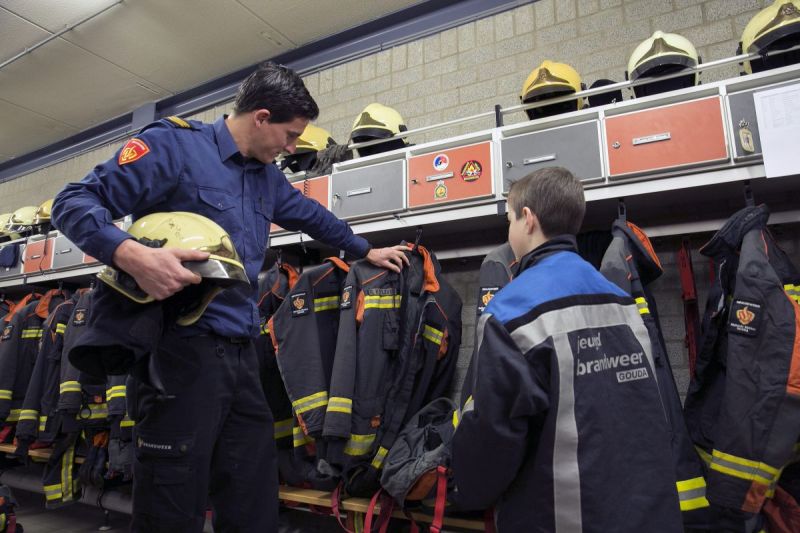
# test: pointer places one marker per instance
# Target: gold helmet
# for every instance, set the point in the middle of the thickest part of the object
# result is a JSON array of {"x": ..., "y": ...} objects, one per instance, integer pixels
[
  {"x": 186, "y": 231},
  {"x": 4, "y": 218},
  {"x": 661, "y": 54},
  {"x": 776, "y": 27},
  {"x": 551, "y": 80},
  {"x": 378, "y": 121},
  {"x": 314, "y": 139},
  {"x": 21, "y": 221},
  {"x": 42, "y": 215}
]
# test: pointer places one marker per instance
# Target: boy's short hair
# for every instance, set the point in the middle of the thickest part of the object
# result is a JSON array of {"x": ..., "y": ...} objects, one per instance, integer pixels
[
  {"x": 554, "y": 195},
  {"x": 278, "y": 89}
]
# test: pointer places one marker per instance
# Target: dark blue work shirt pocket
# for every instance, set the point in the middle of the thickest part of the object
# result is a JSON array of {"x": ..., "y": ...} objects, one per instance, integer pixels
[
  {"x": 218, "y": 205},
  {"x": 263, "y": 207}
]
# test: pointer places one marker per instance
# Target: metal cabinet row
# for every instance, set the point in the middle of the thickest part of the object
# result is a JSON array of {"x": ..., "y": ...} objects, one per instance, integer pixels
[{"x": 712, "y": 126}]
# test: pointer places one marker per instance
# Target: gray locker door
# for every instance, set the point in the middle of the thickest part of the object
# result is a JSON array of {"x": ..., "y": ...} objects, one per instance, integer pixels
[
  {"x": 66, "y": 254},
  {"x": 370, "y": 190},
  {"x": 742, "y": 109},
  {"x": 16, "y": 270},
  {"x": 575, "y": 147}
]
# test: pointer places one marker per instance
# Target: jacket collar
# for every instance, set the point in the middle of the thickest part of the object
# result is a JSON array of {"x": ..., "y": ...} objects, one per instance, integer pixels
[
  {"x": 559, "y": 243},
  {"x": 728, "y": 239}
]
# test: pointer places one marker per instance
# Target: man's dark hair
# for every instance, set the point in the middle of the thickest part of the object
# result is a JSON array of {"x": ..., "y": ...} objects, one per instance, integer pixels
[
  {"x": 278, "y": 89},
  {"x": 555, "y": 196}
]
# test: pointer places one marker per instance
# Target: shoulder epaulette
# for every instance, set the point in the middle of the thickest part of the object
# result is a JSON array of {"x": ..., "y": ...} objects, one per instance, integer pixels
[{"x": 178, "y": 122}]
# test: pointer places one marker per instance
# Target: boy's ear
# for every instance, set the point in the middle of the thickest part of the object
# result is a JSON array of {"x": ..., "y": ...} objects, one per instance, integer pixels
[{"x": 531, "y": 220}]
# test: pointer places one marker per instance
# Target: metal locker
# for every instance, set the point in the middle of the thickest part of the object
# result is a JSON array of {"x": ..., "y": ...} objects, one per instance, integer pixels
[
  {"x": 316, "y": 188},
  {"x": 453, "y": 175},
  {"x": 575, "y": 147},
  {"x": 65, "y": 253},
  {"x": 368, "y": 190},
  {"x": 666, "y": 138},
  {"x": 38, "y": 255},
  {"x": 745, "y": 137},
  {"x": 16, "y": 269}
]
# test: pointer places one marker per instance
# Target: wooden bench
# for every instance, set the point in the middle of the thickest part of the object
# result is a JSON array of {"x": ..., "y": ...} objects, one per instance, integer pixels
[{"x": 293, "y": 495}]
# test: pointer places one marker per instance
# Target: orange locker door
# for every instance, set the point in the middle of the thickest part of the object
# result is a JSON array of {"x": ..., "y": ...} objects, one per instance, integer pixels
[
  {"x": 453, "y": 175},
  {"x": 38, "y": 256},
  {"x": 316, "y": 188},
  {"x": 664, "y": 138}
]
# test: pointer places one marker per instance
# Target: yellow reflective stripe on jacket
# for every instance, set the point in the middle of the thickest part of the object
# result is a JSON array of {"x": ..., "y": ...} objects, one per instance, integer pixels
[
  {"x": 61, "y": 328},
  {"x": 692, "y": 494},
  {"x": 299, "y": 438},
  {"x": 69, "y": 386},
  {"x": 380, "y": 456},
  {"x": 359, "y": 444},
  {"x": 283, "y": 428},
  {"x": 382, "y": 302},
  {"x": 5, "y": 394},
  {"x": 31, "y": 333},
  {"x": 793, "y": 291},
  {"x": 13, "y": 416},
  {"x": 117, "y": 391},
  {"x": 52, "y": 492},
  {"x": 433, "y": 334},
  {"x": 641, "y": 305},
  {"x": 326, "y": 304},
  {"x": 743, "y": 468},
  {"x": 42, "y": 423},
  {"x": 338, "y": 404},
  {"x": 96, "y": 411},
  {"x": 126, "y": 422},
  {"x": 28, "y": 414},
  {"x": 312, "y": 401}
]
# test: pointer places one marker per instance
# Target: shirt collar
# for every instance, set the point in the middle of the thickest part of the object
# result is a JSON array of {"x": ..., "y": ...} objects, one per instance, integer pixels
[{"x": 225, "y": 143}]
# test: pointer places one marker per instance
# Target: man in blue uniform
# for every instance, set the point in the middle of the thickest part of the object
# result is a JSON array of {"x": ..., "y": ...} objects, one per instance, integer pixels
[{"x": 212, "y": 432}]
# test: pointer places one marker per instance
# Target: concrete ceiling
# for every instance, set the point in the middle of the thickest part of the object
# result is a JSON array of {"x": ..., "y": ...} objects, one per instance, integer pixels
[{"x": 141, "y": 51}]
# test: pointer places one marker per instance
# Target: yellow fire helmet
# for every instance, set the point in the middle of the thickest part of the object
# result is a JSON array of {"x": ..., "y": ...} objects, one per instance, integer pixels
[
  {"x": 314, "y": 139},
  {"x": 188, "y": 231},
  {"x": 4, "y": 218},
  {"x": 378, "y": 121},
  {"x": 663, "y": 53},
  {"x": 42, "y": 215},
  {"x": 776, "y": 27},
  {"x": 551, "y": 80},
  {"x": 21, "y": 221}
]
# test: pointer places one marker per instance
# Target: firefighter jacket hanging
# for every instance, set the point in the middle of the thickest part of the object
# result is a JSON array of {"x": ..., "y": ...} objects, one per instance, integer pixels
[
  {"x": 397, "y": 346},
  {"x": 632, "y": 264},
  {"x": 495, "y": 273},
  {"x": 562, "y": 428},
  {"x": 743, "y": 406},
  {"x": 303, "y": 332},
  {"x": 273, "y": 288},
  {"x": 19, "y": 347}
]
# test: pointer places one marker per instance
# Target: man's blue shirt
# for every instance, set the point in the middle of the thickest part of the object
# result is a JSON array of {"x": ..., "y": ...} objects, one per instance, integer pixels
[{"x": 197, "y": 169}]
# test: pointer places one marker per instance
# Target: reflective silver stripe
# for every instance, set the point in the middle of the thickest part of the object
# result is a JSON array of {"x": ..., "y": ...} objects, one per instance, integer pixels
[
  {"x": 692, "y": 494},
  {"x": 566, "y": 476}
]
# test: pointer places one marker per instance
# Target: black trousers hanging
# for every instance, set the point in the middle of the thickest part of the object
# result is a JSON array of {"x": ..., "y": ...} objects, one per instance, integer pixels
[{"x": 210, "y": 438}]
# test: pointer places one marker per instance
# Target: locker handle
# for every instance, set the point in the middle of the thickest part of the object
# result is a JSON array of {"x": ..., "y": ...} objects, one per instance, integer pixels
[
  {"x": 36, "y": 256},
  {"x": 656, "y": 137},
  {"x": 437, "y": 177},
  {"x": 357, "y": 192},
  {"x": 541, "y": 159},
  {"x": 64, "y": 251}
]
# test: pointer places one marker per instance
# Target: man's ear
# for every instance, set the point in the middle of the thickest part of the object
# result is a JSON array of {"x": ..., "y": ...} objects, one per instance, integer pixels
[
  {"x": 261, "y": 116},
  {"x": 531, "y": 220}
]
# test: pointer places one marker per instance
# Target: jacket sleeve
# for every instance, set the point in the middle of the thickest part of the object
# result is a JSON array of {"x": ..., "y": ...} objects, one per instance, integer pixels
[
  {"x": 85, "y": 211},
  {"x": 9, "y": 346},
  {"x": 28, "y": 425},
  {"x": 506, "y": 400},
  {"x": 296, "y": 212},
  {"x": 339, "y": 415}
]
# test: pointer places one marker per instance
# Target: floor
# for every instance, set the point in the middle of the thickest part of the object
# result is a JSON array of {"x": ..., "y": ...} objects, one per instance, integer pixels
[{"x": 77, "y": 518}]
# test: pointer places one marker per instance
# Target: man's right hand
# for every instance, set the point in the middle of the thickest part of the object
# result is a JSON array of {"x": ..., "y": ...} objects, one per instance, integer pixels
[{"x": 158, "y": 271}]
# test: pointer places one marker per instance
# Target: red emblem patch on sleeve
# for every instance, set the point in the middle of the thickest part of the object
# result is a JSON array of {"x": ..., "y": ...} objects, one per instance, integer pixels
[{"x": 133, "y": 150}]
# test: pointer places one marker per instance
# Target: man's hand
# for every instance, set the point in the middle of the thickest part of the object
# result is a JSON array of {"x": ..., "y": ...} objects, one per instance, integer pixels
[
  {"x": 393, "y": 257},
  {"x": 157, "y": 271}
]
